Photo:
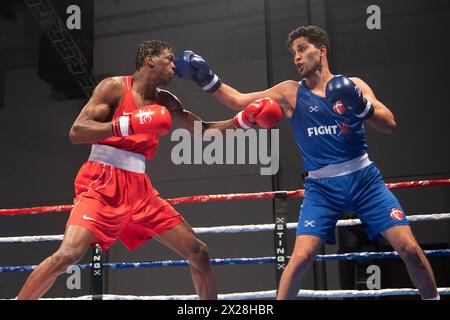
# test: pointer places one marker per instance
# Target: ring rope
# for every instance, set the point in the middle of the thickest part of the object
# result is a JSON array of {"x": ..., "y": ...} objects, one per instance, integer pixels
[
  {"x": 248, "y": 228},
  {"x": 239, "y": 261},
  {"x": 222, "y": 197},
  {"x": 235, "y": 228},
  {"x": 295, "y": 193},
  {"x": 271, "y": 294}
]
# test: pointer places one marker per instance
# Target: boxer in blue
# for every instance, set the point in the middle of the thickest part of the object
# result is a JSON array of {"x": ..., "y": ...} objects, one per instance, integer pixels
[{"x": 327, "y": 114}]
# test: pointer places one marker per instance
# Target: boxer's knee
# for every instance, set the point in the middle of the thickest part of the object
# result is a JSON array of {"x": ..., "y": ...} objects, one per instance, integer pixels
[
  {"x": 199, "y": 255},
  {"x": 64, "y": 258},
  {"x": 302, "y": 259},
  {"x": 411, "y": 253}
]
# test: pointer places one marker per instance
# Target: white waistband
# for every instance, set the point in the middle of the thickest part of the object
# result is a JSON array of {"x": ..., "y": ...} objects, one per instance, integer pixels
[
  {"x": 118, "y": 158},
  {"x": 340, "y": 169}
]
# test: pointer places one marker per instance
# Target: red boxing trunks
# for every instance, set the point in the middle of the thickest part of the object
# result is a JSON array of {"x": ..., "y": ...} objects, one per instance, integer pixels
[{"x": 115, "y": 199}]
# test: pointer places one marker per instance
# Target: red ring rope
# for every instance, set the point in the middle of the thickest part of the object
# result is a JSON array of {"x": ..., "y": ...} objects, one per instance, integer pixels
[{"x": 222, "y": 197}]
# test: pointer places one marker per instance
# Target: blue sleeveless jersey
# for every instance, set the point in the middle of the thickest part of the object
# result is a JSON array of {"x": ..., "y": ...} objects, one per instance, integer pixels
[{"x": 325, "y": 134}]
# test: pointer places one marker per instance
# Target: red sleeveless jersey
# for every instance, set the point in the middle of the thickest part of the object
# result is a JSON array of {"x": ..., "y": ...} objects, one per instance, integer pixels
[{"x": 145, "y": 143}]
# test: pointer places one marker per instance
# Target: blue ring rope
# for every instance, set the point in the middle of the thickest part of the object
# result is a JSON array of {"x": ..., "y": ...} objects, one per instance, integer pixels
[{"x": 240, "y": 261}]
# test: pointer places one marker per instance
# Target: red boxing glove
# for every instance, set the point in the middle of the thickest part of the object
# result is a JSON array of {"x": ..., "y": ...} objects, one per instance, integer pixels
[
  {"x": 264, "y": 112},
  {"x": 148, "y": 119}
]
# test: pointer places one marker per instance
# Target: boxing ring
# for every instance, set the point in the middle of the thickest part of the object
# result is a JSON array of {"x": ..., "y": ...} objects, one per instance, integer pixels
[{"x": 279, "y": 227}]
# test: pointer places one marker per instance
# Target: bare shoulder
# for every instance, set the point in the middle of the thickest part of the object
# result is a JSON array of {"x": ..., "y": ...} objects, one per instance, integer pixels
[
  {"x": 168, "y": 100},
  {"x": 363, "y": 86},
  {"x": 288, "y": 85},
  {"x": 286, "y": 92},
  {"x": 109, "y": 89},
  {"x": 358, "y": 81},
  {"x": 112, "y": 83}
]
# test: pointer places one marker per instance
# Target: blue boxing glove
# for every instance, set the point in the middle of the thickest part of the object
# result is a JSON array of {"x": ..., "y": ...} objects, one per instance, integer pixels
[
  {"x": 343, "y": 91},
  {"x": 191, "y": 66}
]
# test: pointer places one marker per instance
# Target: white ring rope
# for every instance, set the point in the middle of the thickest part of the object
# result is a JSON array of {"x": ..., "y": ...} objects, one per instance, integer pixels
[
  {"x": 337, "y": 294},
  {"x": 413, "y": 218},
  {"x": 236, "y": 228},
  {"x": 25, "y": 239},
  {"x": 272, "y": 294}
]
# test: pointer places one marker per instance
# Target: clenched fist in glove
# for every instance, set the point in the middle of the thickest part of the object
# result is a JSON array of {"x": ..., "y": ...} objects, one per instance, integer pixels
[
  {"x": 265, "y": 112},
  {"x": 148, "y": 119}
]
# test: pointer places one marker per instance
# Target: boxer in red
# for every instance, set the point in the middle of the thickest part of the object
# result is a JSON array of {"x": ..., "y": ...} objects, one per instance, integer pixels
[{"x": 114, "y": 197}]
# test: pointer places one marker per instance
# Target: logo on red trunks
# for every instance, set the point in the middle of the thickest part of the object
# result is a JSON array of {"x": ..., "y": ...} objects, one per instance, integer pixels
[
  {"x": 339, "y": 108},
  {"x": 85, "y": 217},
  {"x": 397, "y": 214}
]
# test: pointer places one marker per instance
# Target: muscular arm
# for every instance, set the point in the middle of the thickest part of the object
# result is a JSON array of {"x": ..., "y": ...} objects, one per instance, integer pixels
[
  {"x": 93, "y": 122},
  {"x": 236, "y": 100},
  {"x": 186, "y": 119},
  {"x": 382, "y": 118}
]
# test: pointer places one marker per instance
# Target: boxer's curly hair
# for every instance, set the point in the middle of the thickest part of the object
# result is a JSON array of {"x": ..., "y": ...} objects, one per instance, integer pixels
[
  {"x": 315, "y": 35},
  {"x": 150, "y": 48}
]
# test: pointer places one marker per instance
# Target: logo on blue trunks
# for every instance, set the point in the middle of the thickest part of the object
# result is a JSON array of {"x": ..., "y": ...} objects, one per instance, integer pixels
[
  {"x": 308, "y": 223},
  {"x": 397, "y": 214}
]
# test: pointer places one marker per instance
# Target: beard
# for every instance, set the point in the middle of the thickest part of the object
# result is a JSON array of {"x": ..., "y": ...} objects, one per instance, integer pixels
[
  {"x": 311, "y": 69},
  {"x": 308, "y": 72}
]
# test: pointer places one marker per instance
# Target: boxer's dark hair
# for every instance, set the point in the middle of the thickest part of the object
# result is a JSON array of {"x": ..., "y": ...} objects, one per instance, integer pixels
[
  {"x": 315, "y": 35},
  {"x": 150, "y": 48}
]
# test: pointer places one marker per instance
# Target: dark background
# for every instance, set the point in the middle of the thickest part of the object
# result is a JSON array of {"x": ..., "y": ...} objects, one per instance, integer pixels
[{"x": 405, "y": 63}]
